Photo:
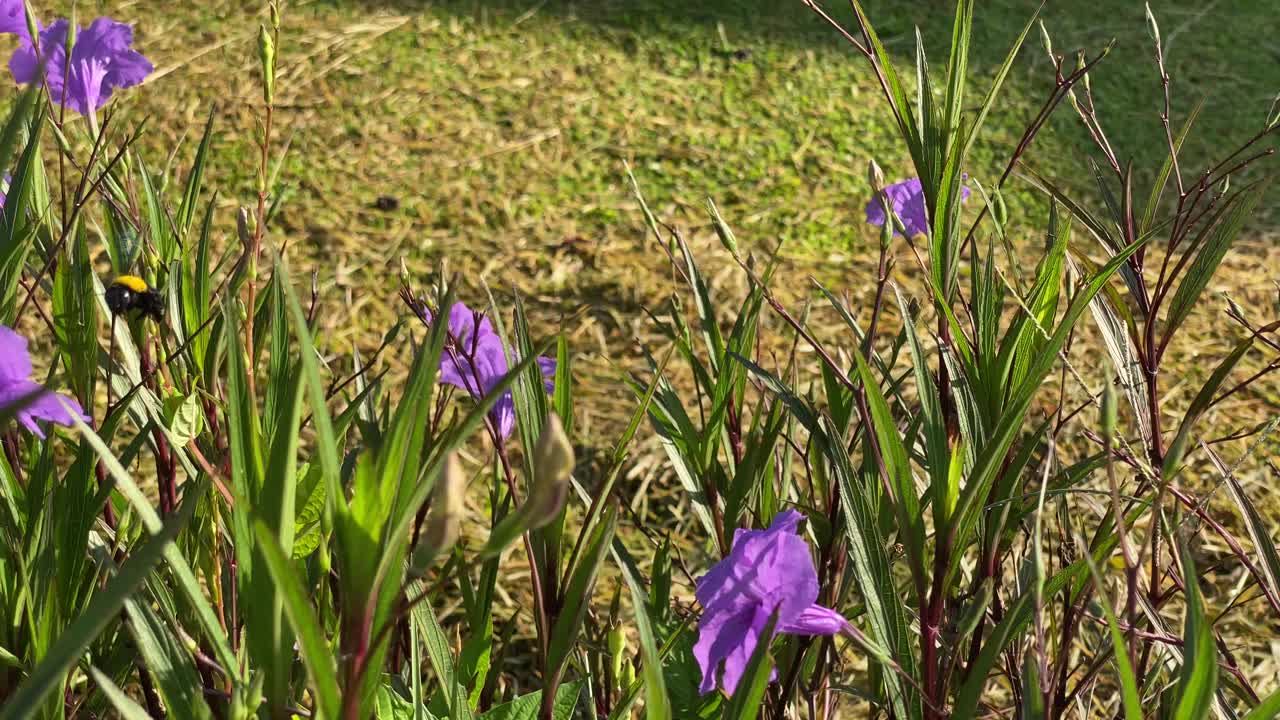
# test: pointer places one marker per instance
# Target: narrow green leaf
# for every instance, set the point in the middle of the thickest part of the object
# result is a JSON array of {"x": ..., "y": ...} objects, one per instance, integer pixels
[
  {"x": 102, "y": 610},
  {"x": 578, "y": 591},
  {"x": 437, "y": 644},
  {"x": 1206, "y": 262},
  {"x": 128, "y": 709},
  {"x": 168, "y": 661},
  {"x": 1130, "y": 698},
  {"x": 657, "y": 702},
  {"x": 1199, "y": 679},
  {"x": 316, "y": 656}
]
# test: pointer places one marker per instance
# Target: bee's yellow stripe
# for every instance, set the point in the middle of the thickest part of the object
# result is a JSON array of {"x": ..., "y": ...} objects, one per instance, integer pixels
[{"x": 133, "y": 282}]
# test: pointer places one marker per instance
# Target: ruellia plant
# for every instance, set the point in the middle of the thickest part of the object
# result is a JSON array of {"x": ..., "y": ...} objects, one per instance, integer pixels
[{"x": 924, "y": 496}]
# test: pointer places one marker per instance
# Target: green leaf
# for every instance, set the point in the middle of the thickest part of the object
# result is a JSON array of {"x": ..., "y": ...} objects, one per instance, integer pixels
[
  {"x": 874, "y": 577},
  {"x": 1260, "y": 533},
  {"x": 1239, "y": 207},
  {"x": 1162, "y": 177},
  {"x": 326, "y": 440},
  {"x": 128, "y": 709},
  {"x": 1268, "y": 709},
  {"x": 25, "y": 208},
  {"x": 1200, "y": 403},
  {"x": 526, "y": 707},
  {"x": 1199, "y": 679},
  {"x": 316, "y": 656},
  {"x": 168, "y": 661},
  {"x": 184, "y": 416},
  {"x": 657, "y": 702},
  {"x": 19, "y": 120},
  {"x": 1130, "y": 698},
  {"x": 195, "y": 180},
  {"x": 424, "y": 619},
  {"x": 578, "y": 591},
  {"x": 893, "y": 453},
  {"x": 102, "y": 610}
]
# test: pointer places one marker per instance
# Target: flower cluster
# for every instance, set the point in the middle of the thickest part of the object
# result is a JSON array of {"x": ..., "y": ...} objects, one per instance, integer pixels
[
  {"x": 767, "y": 571},
  {"x": 475, "y": 360},
  {"x": 102, "y": 58},
  {"x": 17, "y": 388}
]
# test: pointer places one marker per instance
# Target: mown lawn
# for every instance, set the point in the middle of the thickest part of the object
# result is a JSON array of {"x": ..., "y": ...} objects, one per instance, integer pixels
[{"x": 499, "y": 131}]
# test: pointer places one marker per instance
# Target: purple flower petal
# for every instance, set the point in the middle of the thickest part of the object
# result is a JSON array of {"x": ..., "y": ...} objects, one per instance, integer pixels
[
  {"x": 15, "y": 362},
  {"x": 13, "y": 18},
  {"x": 16, "y": 386},
  {"x": 728, "y": 640},
  {"x": 46, "y": 405},
  {"x": 907, "y": 200},
  {"x": 815, "y": 620},
  {"x": 101, "y": 62}
]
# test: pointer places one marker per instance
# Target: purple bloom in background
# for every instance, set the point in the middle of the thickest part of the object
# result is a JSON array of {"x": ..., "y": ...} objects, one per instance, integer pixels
[
  {"x": 13, "y": 19},
  {"x": 16, "y": 384},
  {"x": 475, "y": 360},
  {"x": 766, "y": 570},
  {"x": 101, "y": 61},
  {"x": 907, "y": 200}
]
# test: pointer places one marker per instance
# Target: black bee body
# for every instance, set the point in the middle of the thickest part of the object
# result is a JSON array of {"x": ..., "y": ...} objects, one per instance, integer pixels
[{"x": 130, "y": 293}]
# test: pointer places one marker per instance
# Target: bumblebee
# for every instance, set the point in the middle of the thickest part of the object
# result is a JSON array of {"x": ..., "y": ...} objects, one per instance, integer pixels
[{"x": 128, "y": 293}]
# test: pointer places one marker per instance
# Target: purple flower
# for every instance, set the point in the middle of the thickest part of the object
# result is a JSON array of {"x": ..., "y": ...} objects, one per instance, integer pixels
[
  {"x": 13, "y": 19},
  {"x": 766, "y": 570},
  {"x": 475, "y": 360},
  {"x": 907, "y": 200},
  {"x": 101, "y": 61},
  {"x": 16, "y": 385}
]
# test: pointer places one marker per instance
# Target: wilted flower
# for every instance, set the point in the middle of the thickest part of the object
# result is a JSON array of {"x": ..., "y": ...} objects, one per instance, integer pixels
[
  {"x": 17, "y": 386},
  {"x": 907, "y": 200},
  {"x": 101, "y": 61},
  {"x": 766, "y": 571},
  {"x": 552, "y": 464},
  {"x": 444, "y": 521},
  {"x": 475, "y": 361}
]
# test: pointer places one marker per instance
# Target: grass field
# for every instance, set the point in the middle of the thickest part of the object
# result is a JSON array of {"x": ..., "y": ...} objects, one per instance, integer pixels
[{"x": 499, "y": 132}]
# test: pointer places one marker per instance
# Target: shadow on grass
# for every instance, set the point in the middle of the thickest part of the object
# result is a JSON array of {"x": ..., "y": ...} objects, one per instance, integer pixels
[{"x": 1222, "y": 50}]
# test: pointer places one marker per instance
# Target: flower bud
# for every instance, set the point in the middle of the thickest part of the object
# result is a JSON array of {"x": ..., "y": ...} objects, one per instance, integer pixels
[
  {"x": 33, "y": 25},
  {"x": 445, "y": 518},
  {"x": 267, "y": 53},
  {"x": 1109, "y": 414},
  {"x": 552, "y": 463},
  {"x": 617, "y": 649},
  {"x": 875, "y": 177},
  {"x": 628, "y": 676}
]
